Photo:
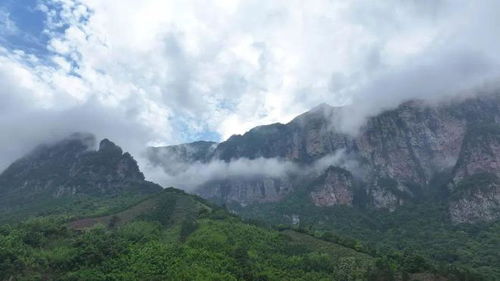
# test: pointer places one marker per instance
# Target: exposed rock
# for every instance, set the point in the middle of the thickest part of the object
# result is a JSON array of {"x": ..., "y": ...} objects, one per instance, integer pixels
[
  {"x": 176, "y": 158},
  {"x": 334, "y": 188},
  {"x": 264, "y": 141},
  {"x": 480, "y": 201},
  {"x": 305, "y": 139},
  {"x": 412, "y": 142},
  {"x": 384, "y": 199},
  {"x": 400, "y": 151},
  {"x": 476, "y": 186},
  {"x": 315, "y": 135},
  {"x": 246, "y": 191},
  {"x": 480, "y": 151}
]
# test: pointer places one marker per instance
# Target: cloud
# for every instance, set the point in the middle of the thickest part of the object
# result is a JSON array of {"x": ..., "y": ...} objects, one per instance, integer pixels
[
  {"x": 171, "y": 71},
  {"x": 37, "y": 107},
  {"x": 197, "y": 173},
  {"x": 49, "y": 125},
  {"x": 438, "y": 77}
]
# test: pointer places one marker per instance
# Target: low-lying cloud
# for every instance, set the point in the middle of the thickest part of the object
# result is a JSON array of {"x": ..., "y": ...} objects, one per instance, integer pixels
[{"x": 195, "y": 174}]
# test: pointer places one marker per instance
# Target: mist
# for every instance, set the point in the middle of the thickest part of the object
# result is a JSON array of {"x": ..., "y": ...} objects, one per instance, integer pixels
[
  {"x": 198, "y": 173},
  {"x": 28, "y": 128},
  {"x": 434, "y": 80}
]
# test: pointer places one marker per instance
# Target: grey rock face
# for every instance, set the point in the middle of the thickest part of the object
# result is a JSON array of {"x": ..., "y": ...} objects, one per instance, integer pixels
[
  {"x": 385, "y": 199},
  {"x": 398, "y": 153},
  {"x": 174, "y": 159},
  {"x": 415, "y": 142},
  {"x": 476, "y": 186},
  {"x": 246, "y": 191},
  {"x": 305, "y": 139},
  {"x": 480, "y": 152},
  {"x": 71, "y": 167},
  {"x": 408, "y": 144},
  {"x": 335, "y": 187},
  {"x": 478, "y": 204},
  {"x": 264, "y": 141}
]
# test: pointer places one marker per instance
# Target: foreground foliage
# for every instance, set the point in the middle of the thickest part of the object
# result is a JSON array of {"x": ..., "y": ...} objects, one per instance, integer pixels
[
  {"x": 214, "y": 249},
  {"x": 175, "y": 236},
  {"x": 424, "y": 230}
]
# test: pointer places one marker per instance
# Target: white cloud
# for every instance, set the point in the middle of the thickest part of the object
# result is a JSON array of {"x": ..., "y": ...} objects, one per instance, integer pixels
[{"x": 190, "y": 176}]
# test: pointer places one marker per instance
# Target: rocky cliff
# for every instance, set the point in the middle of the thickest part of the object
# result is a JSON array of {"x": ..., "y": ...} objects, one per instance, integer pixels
[
  {"x": 176, "y": 158},
  {"x": 246, "y": 191},
  {"x": 414, "y": 152},
  {"x": 475, "y": 185},
  {"x": 72, "y": 167},
  {"x": 334, "y": 187}
]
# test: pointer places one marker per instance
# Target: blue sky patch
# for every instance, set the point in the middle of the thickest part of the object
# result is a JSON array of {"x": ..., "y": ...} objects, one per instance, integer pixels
[{"x": 22, "y": 25}]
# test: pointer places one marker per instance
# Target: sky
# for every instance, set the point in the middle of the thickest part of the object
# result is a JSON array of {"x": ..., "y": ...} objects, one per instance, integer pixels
[{"x": 159, "y": 72}]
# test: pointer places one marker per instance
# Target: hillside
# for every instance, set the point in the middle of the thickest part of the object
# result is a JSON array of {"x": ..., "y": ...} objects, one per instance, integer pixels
[
  {"x": 176, "y": 236},
  {"x": 114, "y": 226},
  {"x": 71, "y": 175}
]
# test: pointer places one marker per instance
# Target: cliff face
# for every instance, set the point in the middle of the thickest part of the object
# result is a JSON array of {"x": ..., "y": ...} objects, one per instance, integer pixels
[
  {"x": 308, "y": 137},
  {"x": 475, "y": 185},
  {"x": 399, "y": 156},
  {"x": 334, "y": 187},
  {"x": 176, "y": 158},
  {"x": 70, "y": 168},
  {"x": 246, "y": 191},
  {"x": 408, "y": 144}
]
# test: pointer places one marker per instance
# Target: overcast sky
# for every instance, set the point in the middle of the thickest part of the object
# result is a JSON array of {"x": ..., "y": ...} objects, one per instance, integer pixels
[{"x": 167, "y": 71}]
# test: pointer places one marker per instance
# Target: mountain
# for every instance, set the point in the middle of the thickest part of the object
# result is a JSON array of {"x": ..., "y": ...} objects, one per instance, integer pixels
[
  {"x": 177, "y": 158},
  {"x": 75, "y": 212},
  {"x": 105, "y": 222},
  {"x": 415, "y": 152},
  {"x": 69, "y": 170},
  {"x": 420, "y": 177}
]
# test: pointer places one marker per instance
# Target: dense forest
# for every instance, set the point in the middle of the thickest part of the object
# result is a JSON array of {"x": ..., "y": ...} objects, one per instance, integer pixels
[
  {"x": 422, "y": 229},
  {"x": 175, "y": 236}
]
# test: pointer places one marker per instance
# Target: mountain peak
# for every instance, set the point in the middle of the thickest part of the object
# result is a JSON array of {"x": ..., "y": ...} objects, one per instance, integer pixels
[
  {"x": 72, "y": 167},
  {"x": 108, "y": 146},
  {"x": 321, "y": 113}
]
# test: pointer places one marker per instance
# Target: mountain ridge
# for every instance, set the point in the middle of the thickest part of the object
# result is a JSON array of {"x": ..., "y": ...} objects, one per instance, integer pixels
[
  {"x": 403, "y": 150},
  {"x": 116, "y": 225},
  {"x": 69, "y": 169}
]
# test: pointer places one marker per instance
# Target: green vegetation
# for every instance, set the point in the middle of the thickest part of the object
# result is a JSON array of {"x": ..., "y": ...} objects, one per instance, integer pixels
[
  {"x": 175, "y": 236},
  {"x": 74, "y": 206},
  {"x": 480, "y": 182},
  {"x": 424, "y": 230}
]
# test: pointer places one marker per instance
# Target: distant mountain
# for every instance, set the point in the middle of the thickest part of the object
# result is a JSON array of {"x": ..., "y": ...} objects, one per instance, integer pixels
[
  {"x": 176, "y": 158},
  {"x": 71, "y": 169},
  {"x": 415, "y": 152},
  {"x": 420, "y": 178},
  {"x": 92, "y": 229},
  {"x": 72, "y": 211}
]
